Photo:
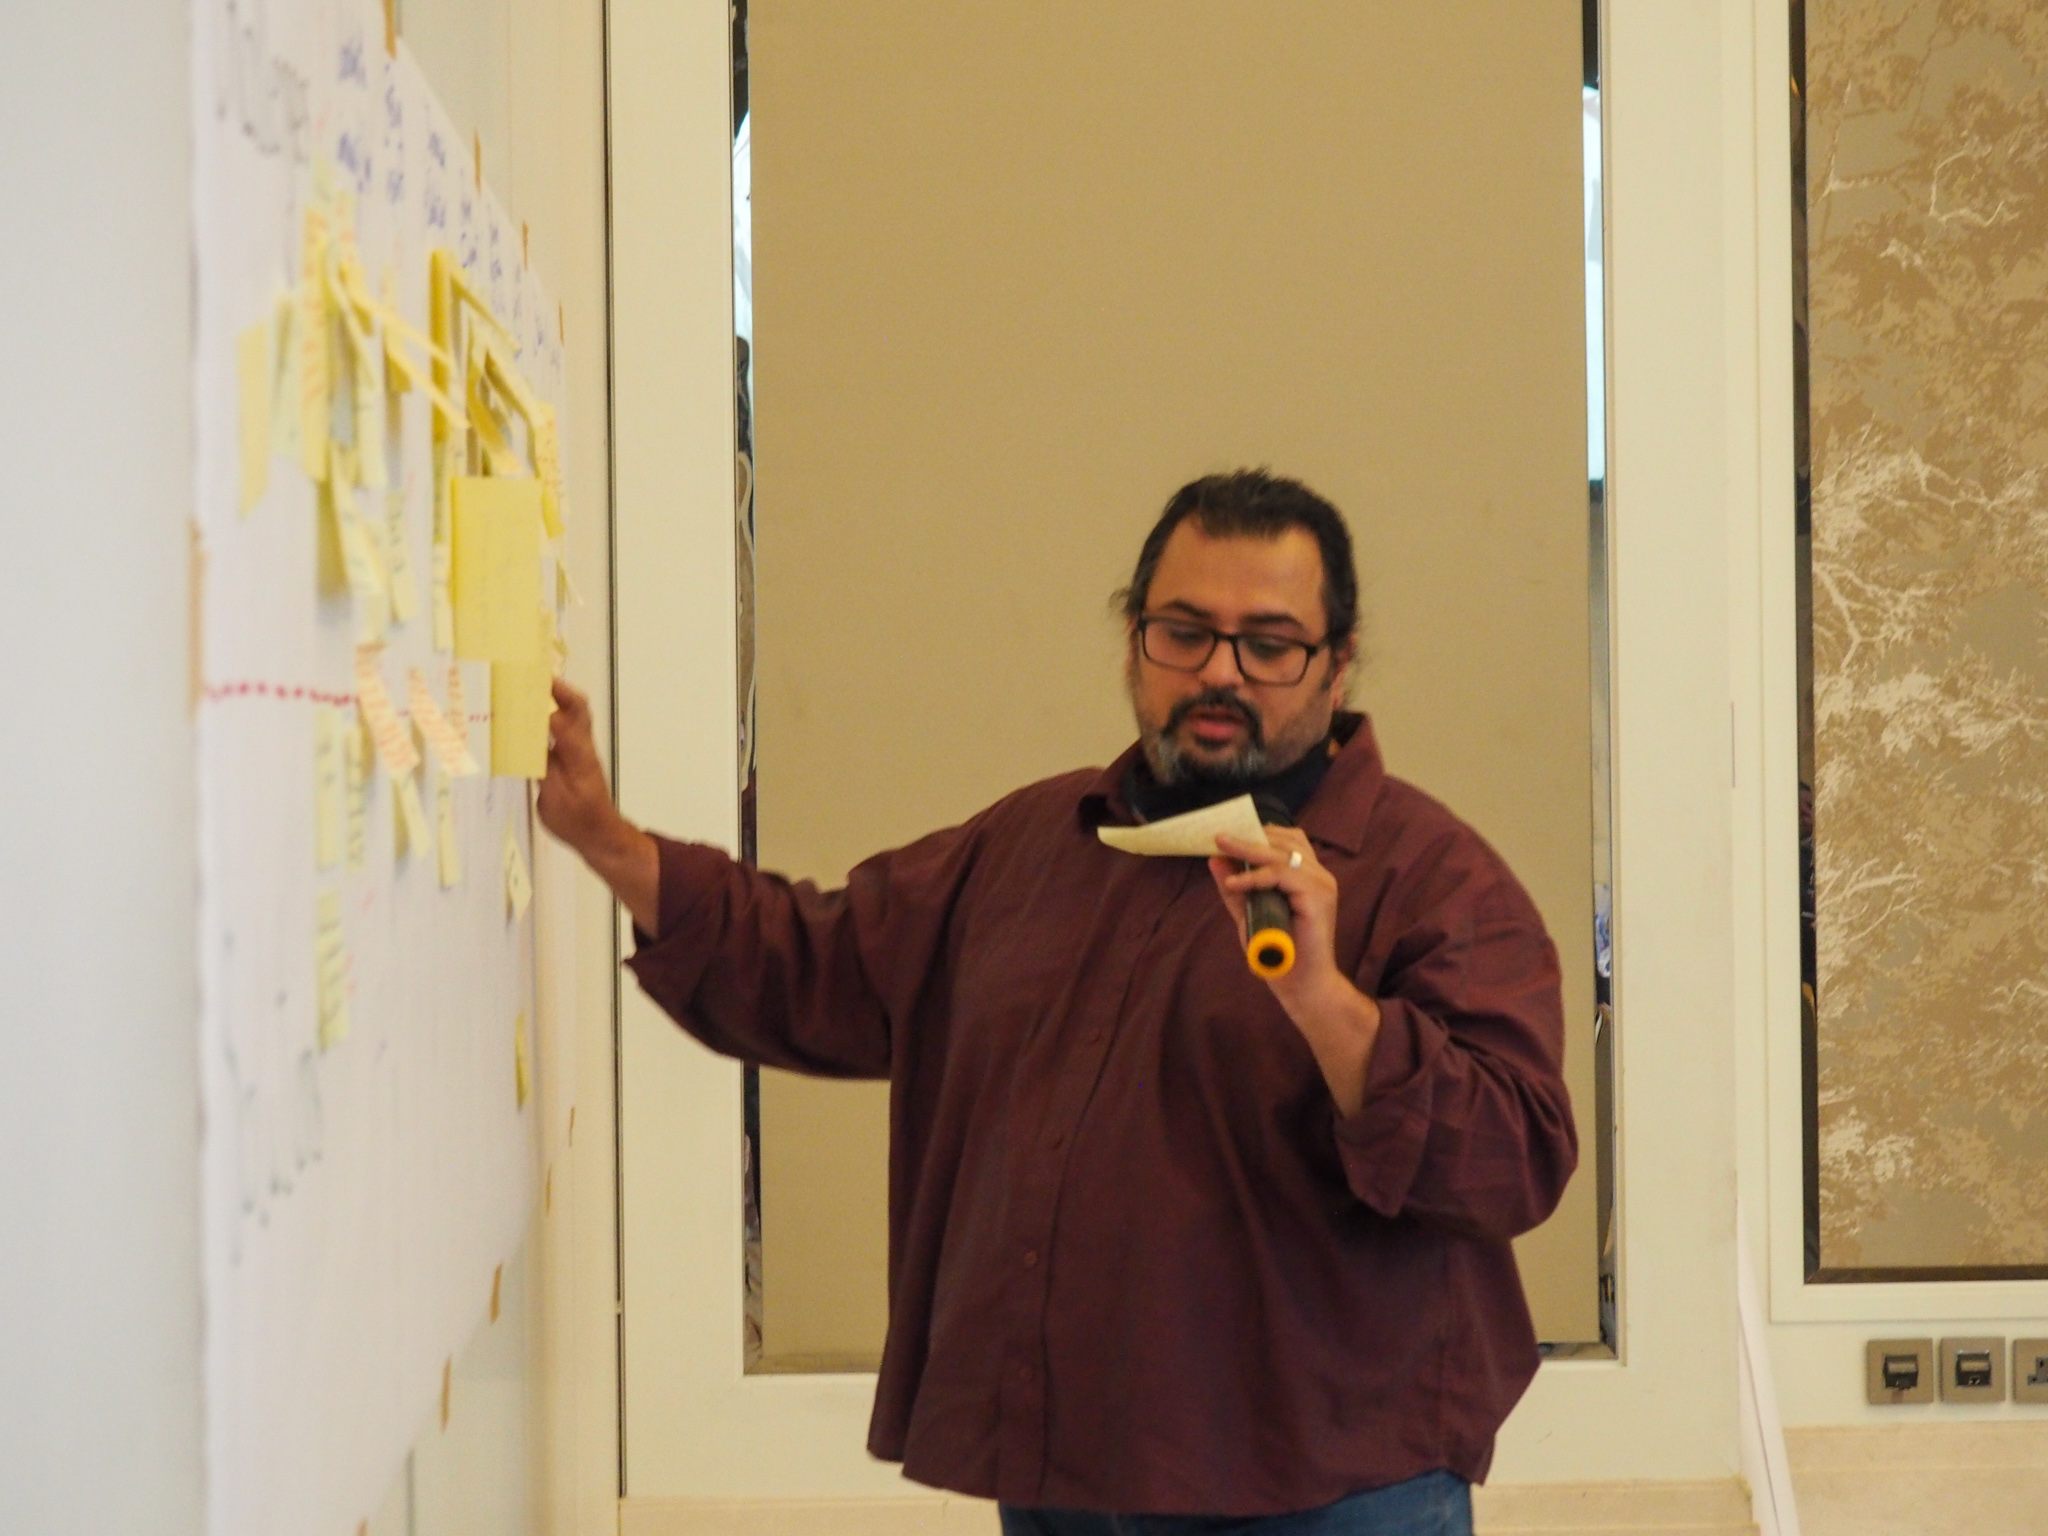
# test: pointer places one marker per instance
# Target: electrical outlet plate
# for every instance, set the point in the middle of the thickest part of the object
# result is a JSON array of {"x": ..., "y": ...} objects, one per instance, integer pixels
[
  {"x": 1898, "y": 1371},
  {"x": 2030, "y": 1370},
  {"x": 1973, "y": 1370}
]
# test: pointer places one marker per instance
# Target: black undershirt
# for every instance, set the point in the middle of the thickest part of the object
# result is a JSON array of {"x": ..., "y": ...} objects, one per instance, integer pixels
[{"x": 1292, "y": 786}]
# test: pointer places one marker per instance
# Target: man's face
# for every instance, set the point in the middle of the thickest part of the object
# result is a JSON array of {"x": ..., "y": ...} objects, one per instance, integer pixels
[{"x": 1215, "y": 725}]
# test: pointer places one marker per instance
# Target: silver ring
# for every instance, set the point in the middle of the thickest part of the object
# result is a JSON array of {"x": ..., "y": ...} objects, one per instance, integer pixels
[{"x": 1294, "y": 859}]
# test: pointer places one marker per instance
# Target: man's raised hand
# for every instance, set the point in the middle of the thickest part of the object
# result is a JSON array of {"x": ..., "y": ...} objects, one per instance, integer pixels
[{"x": 575, "y": 804}]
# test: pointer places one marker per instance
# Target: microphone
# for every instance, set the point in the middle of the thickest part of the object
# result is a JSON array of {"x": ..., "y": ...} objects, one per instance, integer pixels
[{"x": 1268, "y": 916}]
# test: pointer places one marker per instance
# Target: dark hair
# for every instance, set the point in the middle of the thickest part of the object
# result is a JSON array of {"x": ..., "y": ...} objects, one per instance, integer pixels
[{"x": 1257, "y": 504}]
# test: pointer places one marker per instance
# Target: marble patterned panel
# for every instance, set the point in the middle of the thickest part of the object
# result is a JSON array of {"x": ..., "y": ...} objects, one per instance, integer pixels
[{"x": 1927, "y": 187}]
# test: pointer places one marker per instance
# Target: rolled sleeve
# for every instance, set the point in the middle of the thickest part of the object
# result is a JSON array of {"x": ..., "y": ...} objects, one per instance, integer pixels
[
  {"x": 1382, "y": 1144},
  {"x": 1466, "y": 1123},
  {"x": 671, "y": 961}
]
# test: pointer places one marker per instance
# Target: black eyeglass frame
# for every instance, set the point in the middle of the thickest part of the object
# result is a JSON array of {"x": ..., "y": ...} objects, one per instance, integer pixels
[{"x": 1217, "y": 636}]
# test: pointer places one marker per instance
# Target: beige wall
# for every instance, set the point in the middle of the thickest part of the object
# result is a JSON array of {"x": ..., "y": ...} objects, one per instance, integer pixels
[{"x": 1019, "y": 272}]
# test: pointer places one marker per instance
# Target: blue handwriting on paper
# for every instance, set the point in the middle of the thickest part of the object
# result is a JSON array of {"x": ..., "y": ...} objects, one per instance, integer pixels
[{"x": 257, "y": 90}]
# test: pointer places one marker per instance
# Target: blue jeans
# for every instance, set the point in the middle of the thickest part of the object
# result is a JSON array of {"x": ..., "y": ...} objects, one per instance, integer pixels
[{"x": 1434, "y": 1504}]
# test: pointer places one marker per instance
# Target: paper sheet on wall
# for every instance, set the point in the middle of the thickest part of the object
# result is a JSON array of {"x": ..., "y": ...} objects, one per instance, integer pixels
[
  {"x": 362, "y": 1178},
  {"x": 1191, "y": 835}
]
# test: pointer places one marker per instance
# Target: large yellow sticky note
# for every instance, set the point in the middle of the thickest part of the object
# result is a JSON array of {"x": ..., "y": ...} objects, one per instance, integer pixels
[
  {"x": 522, "y": 699},
  {"x": 252, "y": 375},
  {"x": 494, "y": 580}
]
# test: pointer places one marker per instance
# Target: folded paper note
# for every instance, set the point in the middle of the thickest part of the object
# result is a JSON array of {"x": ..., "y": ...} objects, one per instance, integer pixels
[
  {"x": 394, "y": 741},
  {"x": 1189, "y": 836},
  {"x": 330, "y": 971},
  {"x": 415, "y": 836},
  {"x": 518, "y": 884},
  {"x": 448, "y": 745},
  {"x": 444, "y": 833},
  {"x": 330, "y": 793}
]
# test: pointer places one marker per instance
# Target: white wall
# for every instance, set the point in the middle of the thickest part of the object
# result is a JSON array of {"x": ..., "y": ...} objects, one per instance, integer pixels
[{"x": 99, "y": 1110}]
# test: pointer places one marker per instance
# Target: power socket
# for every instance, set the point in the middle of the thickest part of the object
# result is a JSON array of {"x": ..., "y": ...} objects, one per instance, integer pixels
[
  {"x": 2030, "y": 1370},
  {"x": 1898, "y": 1371},
  {"x": 1973, "y": 1370}
]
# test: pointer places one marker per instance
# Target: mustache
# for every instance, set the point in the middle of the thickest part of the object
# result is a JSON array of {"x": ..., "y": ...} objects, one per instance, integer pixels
[{"x": 1218, "y": 698}]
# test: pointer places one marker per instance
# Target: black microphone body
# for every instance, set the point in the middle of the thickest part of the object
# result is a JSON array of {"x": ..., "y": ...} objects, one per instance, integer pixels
[{"x": 1268, "y": 915}]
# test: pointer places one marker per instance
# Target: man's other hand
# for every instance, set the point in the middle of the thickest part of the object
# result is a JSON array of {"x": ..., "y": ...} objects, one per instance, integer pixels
[
  {"x": 1339, "y": 1022},
  {"x": 575, "y": 804}
]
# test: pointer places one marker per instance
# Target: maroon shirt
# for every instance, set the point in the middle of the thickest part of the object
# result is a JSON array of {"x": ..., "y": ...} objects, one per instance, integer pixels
[{"x": 1136, "y": 1260}]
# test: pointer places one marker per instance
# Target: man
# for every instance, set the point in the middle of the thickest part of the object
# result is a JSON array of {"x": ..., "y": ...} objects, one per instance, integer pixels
[{"x": 1168, "y": 1241}]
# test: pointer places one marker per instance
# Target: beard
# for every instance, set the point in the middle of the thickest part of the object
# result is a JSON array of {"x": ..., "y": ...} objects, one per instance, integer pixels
[{"x": 1172, "y": 764}]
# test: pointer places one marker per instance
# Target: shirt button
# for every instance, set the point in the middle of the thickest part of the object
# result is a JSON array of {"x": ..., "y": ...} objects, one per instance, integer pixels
[
  {"x": 1024, "y": 1374},
  {"x": 1031, "y": 1258},
  {"x": 1092, "y": 1036},
  {"x": 1058, "y": 1142}
]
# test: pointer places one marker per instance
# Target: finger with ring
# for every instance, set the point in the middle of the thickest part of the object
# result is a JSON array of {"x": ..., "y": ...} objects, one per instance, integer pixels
[{"x": 1294, "y": 859}]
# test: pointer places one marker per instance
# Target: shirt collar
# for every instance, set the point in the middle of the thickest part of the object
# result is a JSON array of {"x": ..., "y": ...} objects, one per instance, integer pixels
[{"x": 1336, "y": 814}]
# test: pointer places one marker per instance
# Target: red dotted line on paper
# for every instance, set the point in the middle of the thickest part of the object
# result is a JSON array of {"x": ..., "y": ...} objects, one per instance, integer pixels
[{"x": 219, "y": 692}]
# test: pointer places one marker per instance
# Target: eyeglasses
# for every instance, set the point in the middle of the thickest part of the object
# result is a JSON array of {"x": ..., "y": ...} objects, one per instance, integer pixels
[{"x": 1180, "y": 645}]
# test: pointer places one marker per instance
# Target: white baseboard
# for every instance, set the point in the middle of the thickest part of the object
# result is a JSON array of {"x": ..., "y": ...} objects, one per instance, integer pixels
[{"x": 1718, "y": 1508}]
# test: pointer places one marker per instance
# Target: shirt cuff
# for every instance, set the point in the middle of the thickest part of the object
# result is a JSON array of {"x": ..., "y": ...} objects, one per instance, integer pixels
[
  {"x": 1382, "y": 1145},
  {"x": 693, "y": 877}
]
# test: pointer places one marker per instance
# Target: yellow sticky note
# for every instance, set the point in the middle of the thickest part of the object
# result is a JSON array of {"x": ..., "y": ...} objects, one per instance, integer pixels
[
  {"x": 355, "y": 760},
  {"x": 330, "y": 775},
  {"x": 252, "y": 370},
  {"x": 547, "y": 465},
  {"x": 311, "y": 329},
  {"x": 495, "y": 568},
  {"x": 405, "y": 596},
  {"x": 361, "y": 543},
  {"x": 457, "y": 713},
  {"x": 518, "y": 885},
  {"x": 284, "y": 379},
  {"x": 330, "y": 971},
  {"x": 394, "y": 741},
  {"x": 331, "y": 564},
  {"x": 444, "y": 602},
  {"x": 366, "y": 372},
  {"x": 448, "y": 745},
  {"x": 521, "y": 702},
  {"x": 415, "y": 836},
  {"x": 444, "y": 833},
  {"x": 522, "y": 1067}
]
